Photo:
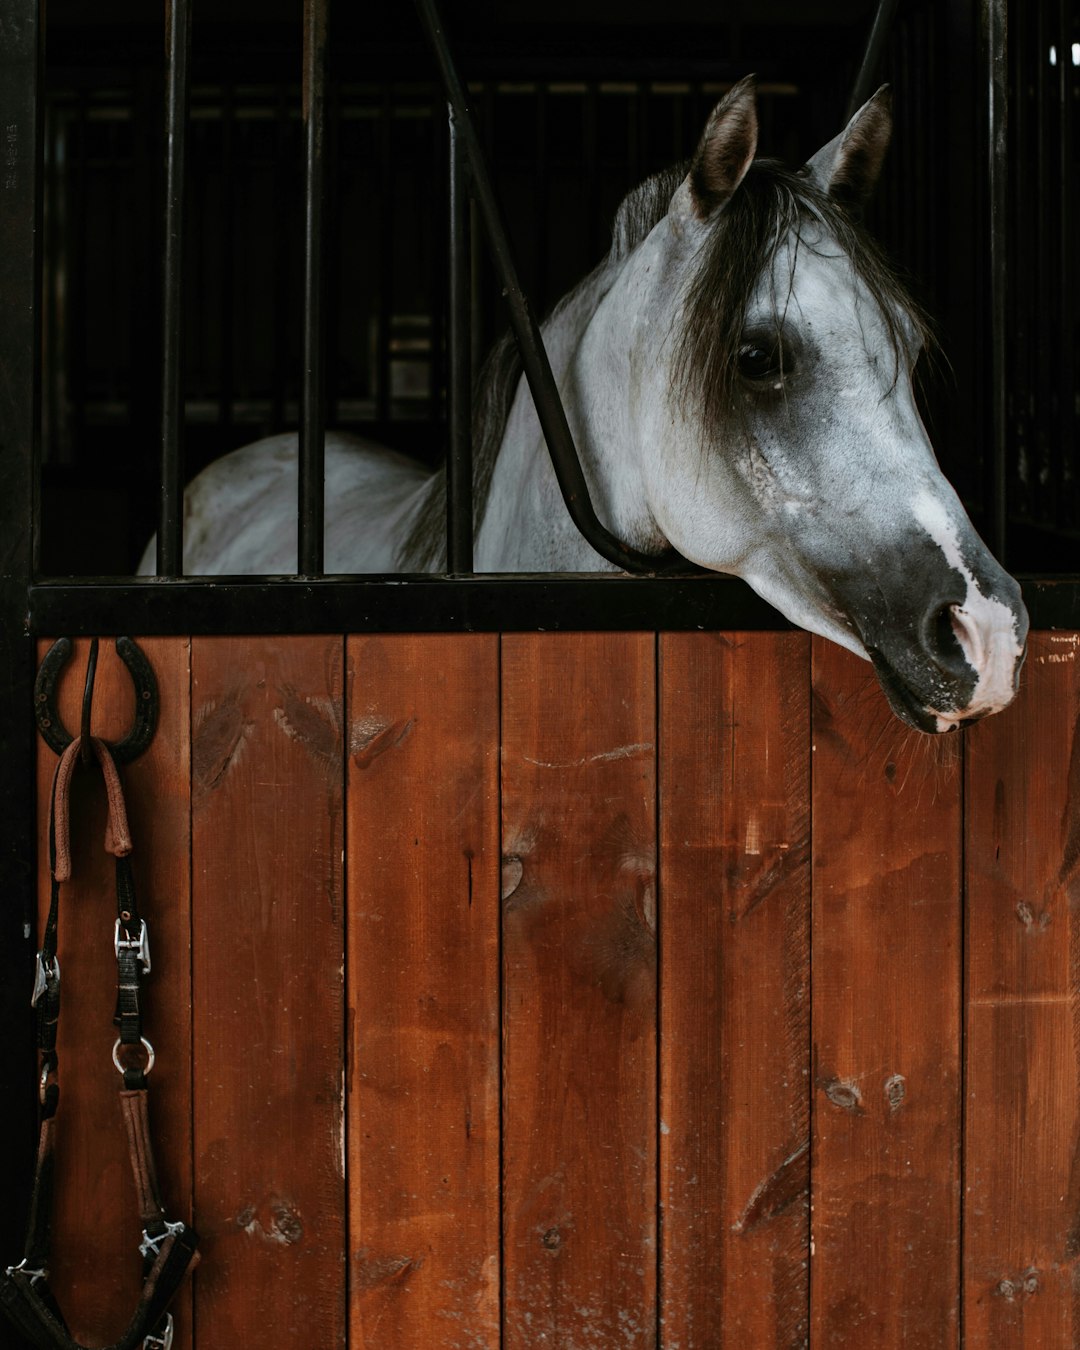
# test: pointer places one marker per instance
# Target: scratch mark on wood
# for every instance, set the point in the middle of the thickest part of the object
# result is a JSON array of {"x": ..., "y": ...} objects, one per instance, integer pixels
[
  {"x": 777, "y": 1192},
  {"x": 284, "y": 1227},
  {"x": 513, "y": 869},
  {"x": 787, "y": 862},
  {"x": 1034, "y": 923},
  {"x": 311, "y": 721},
  {"x": 217, "y": 741},
  {"x": 372, "y": 738},
  {"x": 604, "y": 757},
  {"x": 1070, "y": 823},
  {"x": 372, "y": 1270}
]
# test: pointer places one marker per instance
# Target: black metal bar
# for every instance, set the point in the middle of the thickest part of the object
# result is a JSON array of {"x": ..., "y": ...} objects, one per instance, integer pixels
[
  {"x": 425, "y": 603},
  {"x": 226, "y": 370},
  {"x": 385, "y": 293},
  {"x": 866, "y": 80},
  {"x": 21, "y": 95},
  {"x": 459, "y": 477},
  {"x": 994, "y": 18},
  {"x": 170, "y": 539},
  {"x": 549, "y": 409},
  {"x": 312, "y": 402},
  {"x": 400, "y": 604},
  {"x": 1066, "y": 336},
  {"x": 284, "y": 171}
]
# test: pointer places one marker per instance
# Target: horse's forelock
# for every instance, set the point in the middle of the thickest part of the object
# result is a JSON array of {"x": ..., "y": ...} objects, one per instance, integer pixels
[{"x": 771, "y": 205}]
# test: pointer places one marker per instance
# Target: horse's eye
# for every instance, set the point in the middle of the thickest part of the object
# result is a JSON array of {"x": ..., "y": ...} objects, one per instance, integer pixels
[{"x": 759, "y": 363}]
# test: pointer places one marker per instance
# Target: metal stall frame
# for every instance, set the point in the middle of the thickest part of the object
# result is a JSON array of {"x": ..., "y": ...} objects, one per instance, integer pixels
[{"x": 308, "y": 602}]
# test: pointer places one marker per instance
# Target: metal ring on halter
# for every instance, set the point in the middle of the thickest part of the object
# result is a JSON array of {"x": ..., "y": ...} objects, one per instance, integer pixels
[{"x": 150, "y": 1057}]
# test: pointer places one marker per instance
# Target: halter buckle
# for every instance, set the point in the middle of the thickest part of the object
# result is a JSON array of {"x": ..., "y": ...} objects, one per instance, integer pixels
[
  {"x": 140, "y": 945},
  {"x": 23, "y": 1269},
  {"x": 163, "y": 1341},
  {"x": 152, "y": 1245},
  {"x": 42, "y": 975}
]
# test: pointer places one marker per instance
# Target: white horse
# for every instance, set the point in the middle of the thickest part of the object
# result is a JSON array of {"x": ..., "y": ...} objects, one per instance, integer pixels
[{"x": 737, "y": 376}]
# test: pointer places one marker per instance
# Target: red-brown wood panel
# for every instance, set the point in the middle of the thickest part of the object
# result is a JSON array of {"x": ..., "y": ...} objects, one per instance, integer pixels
[
  {"x": 886, "y": 1019},
  {"x": 268, "y": 958},
  {"x": 423, "y": 1067},
  {"x": 579, "y": 1146},
  {"x": 735, "y": 989},
  {"x": 96, "y": 1267},
  {"x": 1022, "y": 1138}
]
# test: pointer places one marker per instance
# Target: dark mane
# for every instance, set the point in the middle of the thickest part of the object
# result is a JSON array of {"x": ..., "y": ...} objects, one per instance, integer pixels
[
  {"x": 770, "y": 204},
  {"x": 424, "y": 547}
]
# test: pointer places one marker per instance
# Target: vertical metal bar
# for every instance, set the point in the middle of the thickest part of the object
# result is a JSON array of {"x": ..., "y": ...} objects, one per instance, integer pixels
[
  {"x": 459, "y": 510},
  {"x": 312, "y": 406},
  {"x": 226, "y": 371},
  {"x": 284, "y": 182},
  {"x": 170, "y": 541},
  {"x": 1066, "y": 336},
  {"x": 994, "y": 18},
  {"x": 384, "y": 302},
  {"x": 21, "y": 94}
]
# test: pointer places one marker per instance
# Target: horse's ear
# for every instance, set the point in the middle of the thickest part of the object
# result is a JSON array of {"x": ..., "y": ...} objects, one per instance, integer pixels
[
  {"x": 848, "y": 167},
  {"x": 724, "y": 153}
]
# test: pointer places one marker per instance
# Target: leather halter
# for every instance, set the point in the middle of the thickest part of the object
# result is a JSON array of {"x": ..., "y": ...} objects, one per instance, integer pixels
[{"x": 169, "y": 1250}]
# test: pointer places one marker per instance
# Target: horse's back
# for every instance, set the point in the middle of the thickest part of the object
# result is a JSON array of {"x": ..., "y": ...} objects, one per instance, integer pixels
[{"x": 240, "y": 512}]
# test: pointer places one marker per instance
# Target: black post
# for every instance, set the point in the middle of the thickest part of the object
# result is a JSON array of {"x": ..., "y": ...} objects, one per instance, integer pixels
[
  {"x": 170, "y": 539},
  {"x": 994, "y": 23},
  {"x": 311, "y": 504},
  {"x": 459, "y": 484},
  {"x": 21, "y": 91}
]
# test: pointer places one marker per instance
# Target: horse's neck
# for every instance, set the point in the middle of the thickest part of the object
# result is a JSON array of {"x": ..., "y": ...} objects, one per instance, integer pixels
[{"x": 526, "y": 526}]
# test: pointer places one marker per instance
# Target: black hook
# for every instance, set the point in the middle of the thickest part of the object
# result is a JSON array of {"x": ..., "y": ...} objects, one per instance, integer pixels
[{"x": 52, "y": 729}]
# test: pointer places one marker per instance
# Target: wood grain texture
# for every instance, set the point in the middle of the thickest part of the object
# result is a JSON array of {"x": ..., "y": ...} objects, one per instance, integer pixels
[
  {"x": 579, "y": 1147},
  {"x": 886, "y": 1019},
  {"x": 735, "y": 989},
  {"x": 423, "y": 1079},
  {"x": 268, "y": 895},
  {"x": 1022, "y": 1154},
  {"x": 97, "y": 1271}
]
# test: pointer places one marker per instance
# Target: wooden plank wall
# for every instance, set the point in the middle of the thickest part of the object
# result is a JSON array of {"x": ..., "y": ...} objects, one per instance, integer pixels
[{"x": 585, "y": 990}]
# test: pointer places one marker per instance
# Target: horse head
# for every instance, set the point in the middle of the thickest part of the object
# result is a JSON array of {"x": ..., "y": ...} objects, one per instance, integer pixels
[{"x": 771, "y": 358}]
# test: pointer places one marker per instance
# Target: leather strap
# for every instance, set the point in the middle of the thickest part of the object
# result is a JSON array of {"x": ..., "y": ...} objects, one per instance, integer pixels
[{"x": 169, "y": 1250}]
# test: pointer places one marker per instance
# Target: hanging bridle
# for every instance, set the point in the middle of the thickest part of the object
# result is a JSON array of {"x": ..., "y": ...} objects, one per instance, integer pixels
[{"x": 168, "y": 1249}]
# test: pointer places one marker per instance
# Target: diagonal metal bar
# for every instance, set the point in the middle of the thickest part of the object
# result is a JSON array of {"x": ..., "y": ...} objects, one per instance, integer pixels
[{"x": 549, "y": 409}]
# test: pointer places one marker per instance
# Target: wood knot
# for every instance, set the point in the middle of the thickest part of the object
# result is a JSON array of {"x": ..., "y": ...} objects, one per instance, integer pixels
[
  {"x": 845, "y": 1095},
  {"x": 552, "y": 1240}
]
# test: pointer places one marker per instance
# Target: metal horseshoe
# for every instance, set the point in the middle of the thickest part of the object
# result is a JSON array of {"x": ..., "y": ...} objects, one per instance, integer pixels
[{"x": 49, "y": 724}]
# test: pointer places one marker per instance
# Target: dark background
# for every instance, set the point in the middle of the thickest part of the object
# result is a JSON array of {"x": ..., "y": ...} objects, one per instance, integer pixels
[{"x": 577, "y": 102}]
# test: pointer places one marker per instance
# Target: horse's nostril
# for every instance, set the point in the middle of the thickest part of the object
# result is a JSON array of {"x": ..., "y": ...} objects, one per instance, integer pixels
[
  {"x": 953, "y": 638},
  {"x": 945, "y": 633}
]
